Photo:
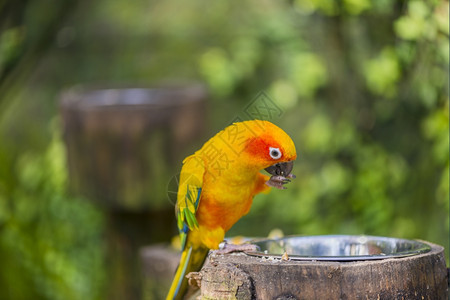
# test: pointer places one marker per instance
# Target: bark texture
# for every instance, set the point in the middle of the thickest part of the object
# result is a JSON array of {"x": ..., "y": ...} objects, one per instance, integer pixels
[{"x": 238, "y": 276}]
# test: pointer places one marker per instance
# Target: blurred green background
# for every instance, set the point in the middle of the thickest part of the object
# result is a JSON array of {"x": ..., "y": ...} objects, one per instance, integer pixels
[{"x": 362, "y": 86}]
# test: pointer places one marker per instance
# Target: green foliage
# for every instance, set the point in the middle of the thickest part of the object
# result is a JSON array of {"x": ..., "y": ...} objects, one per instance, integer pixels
[
  {"x": 363, "y": 86},
  {"x": 10, "y": 41},
  {"x": 46, "y": 254},
  {"x": 382, "y": 73}
]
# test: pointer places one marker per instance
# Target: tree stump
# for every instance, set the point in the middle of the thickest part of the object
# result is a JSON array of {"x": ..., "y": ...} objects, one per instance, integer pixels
[
  {"x": 159, "y": 264},
  {"x": 239, "y": 276},
  {"x": 124, "y": 145}
]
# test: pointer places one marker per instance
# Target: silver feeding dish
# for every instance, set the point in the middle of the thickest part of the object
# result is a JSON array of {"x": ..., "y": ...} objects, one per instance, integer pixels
[{"x": 338, "y": 247}]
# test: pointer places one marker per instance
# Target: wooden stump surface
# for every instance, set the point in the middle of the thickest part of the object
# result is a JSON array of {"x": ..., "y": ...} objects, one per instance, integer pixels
[{"x": 239, "y": 276}]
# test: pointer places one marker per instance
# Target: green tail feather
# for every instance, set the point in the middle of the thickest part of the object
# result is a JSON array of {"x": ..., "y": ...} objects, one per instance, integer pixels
[{"x": 192, "y": 260}]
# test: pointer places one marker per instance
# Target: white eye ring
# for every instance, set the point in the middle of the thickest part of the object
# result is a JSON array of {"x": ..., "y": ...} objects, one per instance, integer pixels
[{"x": 275, "y": 153}]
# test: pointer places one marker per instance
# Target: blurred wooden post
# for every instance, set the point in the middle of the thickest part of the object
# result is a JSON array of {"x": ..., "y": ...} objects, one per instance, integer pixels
[
  {"x": 238, "y": 276},
  {"x": 124, "y": 146},
  {"x": 159, "y": 264}
]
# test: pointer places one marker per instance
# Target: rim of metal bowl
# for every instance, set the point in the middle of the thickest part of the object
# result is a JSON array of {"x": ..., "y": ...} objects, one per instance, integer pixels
[{"x": 417, "y": 247}]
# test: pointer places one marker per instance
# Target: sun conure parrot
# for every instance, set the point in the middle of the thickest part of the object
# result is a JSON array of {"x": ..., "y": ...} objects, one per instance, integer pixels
[{"x": 217, "y": 185}]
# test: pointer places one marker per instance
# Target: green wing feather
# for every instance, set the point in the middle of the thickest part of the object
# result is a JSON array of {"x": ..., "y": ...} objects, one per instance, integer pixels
[
  {"x": 188, "y": 200},
  {"x": 189, "y": 195}
]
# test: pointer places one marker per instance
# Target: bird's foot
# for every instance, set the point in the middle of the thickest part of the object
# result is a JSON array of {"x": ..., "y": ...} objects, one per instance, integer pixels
[
  {"x": 229, "y": 248},
  {"x": 278, "y": 181}
]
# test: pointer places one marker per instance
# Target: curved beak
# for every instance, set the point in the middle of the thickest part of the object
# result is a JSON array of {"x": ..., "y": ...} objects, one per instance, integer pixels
[{"x": 283, "y": 169}]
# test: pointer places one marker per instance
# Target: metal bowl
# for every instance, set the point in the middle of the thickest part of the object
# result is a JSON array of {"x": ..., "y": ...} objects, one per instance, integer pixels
[{"x": 339, "y": 247}]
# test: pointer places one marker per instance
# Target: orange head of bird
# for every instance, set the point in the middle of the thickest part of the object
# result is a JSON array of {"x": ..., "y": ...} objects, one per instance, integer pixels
[{"x": 270, "y": 148}]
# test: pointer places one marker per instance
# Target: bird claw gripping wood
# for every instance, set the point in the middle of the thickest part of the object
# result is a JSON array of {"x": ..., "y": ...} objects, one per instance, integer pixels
[
  {"x": 229, "y": 248},
  {"x": 195, "y": 279}
]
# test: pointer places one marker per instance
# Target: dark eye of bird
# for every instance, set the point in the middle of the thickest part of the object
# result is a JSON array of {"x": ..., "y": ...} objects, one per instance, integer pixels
[{"x": 275, "y": 153}]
